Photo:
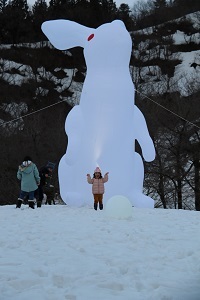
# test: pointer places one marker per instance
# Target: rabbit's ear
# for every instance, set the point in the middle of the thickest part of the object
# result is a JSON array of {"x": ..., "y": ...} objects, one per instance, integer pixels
[{"x": 65, "y": 34}]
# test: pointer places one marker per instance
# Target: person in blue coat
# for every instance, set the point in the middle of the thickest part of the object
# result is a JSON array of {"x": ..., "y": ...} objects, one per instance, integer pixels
[{"x": 29, "y": 176}]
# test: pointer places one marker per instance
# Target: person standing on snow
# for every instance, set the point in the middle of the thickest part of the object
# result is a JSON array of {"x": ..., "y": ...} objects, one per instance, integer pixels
[
  {"x": 45, "y": 184},
  {"x": 97, "y": 187},
  {"x": 28, "y": 174}
]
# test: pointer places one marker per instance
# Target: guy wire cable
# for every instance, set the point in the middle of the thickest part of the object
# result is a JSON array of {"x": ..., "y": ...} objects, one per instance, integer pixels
[{"x": 46, "y": 107}]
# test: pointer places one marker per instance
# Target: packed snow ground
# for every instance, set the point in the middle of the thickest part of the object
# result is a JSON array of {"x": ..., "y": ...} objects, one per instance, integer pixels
[{"x": 57, "y": 253}]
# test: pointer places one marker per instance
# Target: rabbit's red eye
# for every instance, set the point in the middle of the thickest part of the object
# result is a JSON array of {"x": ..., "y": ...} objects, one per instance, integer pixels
[{"x": 90, "y": 37}]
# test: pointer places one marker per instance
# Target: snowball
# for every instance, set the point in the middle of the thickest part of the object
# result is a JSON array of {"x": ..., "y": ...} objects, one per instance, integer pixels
[{"x": 118, "y": 207}]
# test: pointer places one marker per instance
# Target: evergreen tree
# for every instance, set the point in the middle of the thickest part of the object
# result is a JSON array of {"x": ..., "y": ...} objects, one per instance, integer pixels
[
  {"x": 160, "y": 12},
  {"x": 123, "y": 14},
  {"x": 40, "y": 13},
  {"x": 61, "y": 9},
  {"x": 109, "y": 10},
  {"x": 3, "y": 4},
  {"x": 18, "y": 28},
  {"x": 159, "y": 4},
  {"x": 21, "y": 8},
  {"x": 96, "y": 13}
]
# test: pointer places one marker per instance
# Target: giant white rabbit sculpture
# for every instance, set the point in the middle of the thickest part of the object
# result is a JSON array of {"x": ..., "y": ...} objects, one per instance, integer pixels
[{"x": 102, "y": 130}]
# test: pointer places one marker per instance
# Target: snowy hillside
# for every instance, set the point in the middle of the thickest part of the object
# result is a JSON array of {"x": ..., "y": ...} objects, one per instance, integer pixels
[
  {"x": 151, "y": 79},
  {"x": 57, "y": 252}
]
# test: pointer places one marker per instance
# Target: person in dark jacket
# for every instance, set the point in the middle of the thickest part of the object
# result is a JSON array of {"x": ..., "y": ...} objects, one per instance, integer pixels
[
  {"x": 45, "y": 186},
  {"x": 29, "y": 176}
]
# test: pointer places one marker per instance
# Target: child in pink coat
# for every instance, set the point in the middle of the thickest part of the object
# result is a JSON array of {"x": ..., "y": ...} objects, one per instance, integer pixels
[{"x": 97, "y": 187}]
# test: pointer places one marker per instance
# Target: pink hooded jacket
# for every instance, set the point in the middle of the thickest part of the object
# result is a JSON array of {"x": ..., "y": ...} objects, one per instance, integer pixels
[{"x": 98, "y": 184}]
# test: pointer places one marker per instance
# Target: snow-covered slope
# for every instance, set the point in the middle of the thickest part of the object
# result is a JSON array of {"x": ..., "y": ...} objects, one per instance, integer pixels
[
  {"x": 149, "y": 77},
  {"x": 57, "y": 253},
  {"x": 152, "y": 78}
]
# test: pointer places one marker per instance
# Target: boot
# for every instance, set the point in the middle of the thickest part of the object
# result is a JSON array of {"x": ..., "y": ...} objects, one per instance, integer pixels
[
  {"x": 19, "y": 203},
  {"x": 31, "y": 204},
  {"x": 95, "y": 206},
  {"x": 100, "y": 206},
  {"x": 39, "y": 203}
]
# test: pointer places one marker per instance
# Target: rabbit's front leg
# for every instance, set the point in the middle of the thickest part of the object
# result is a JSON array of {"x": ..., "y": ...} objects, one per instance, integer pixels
[{"x": 142, "y": 136}]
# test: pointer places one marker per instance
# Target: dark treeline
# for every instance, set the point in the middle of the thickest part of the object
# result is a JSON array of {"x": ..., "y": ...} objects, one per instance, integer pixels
[
  {"x": 155, "y": 12},
  {"x": 21, "y": 23}
]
